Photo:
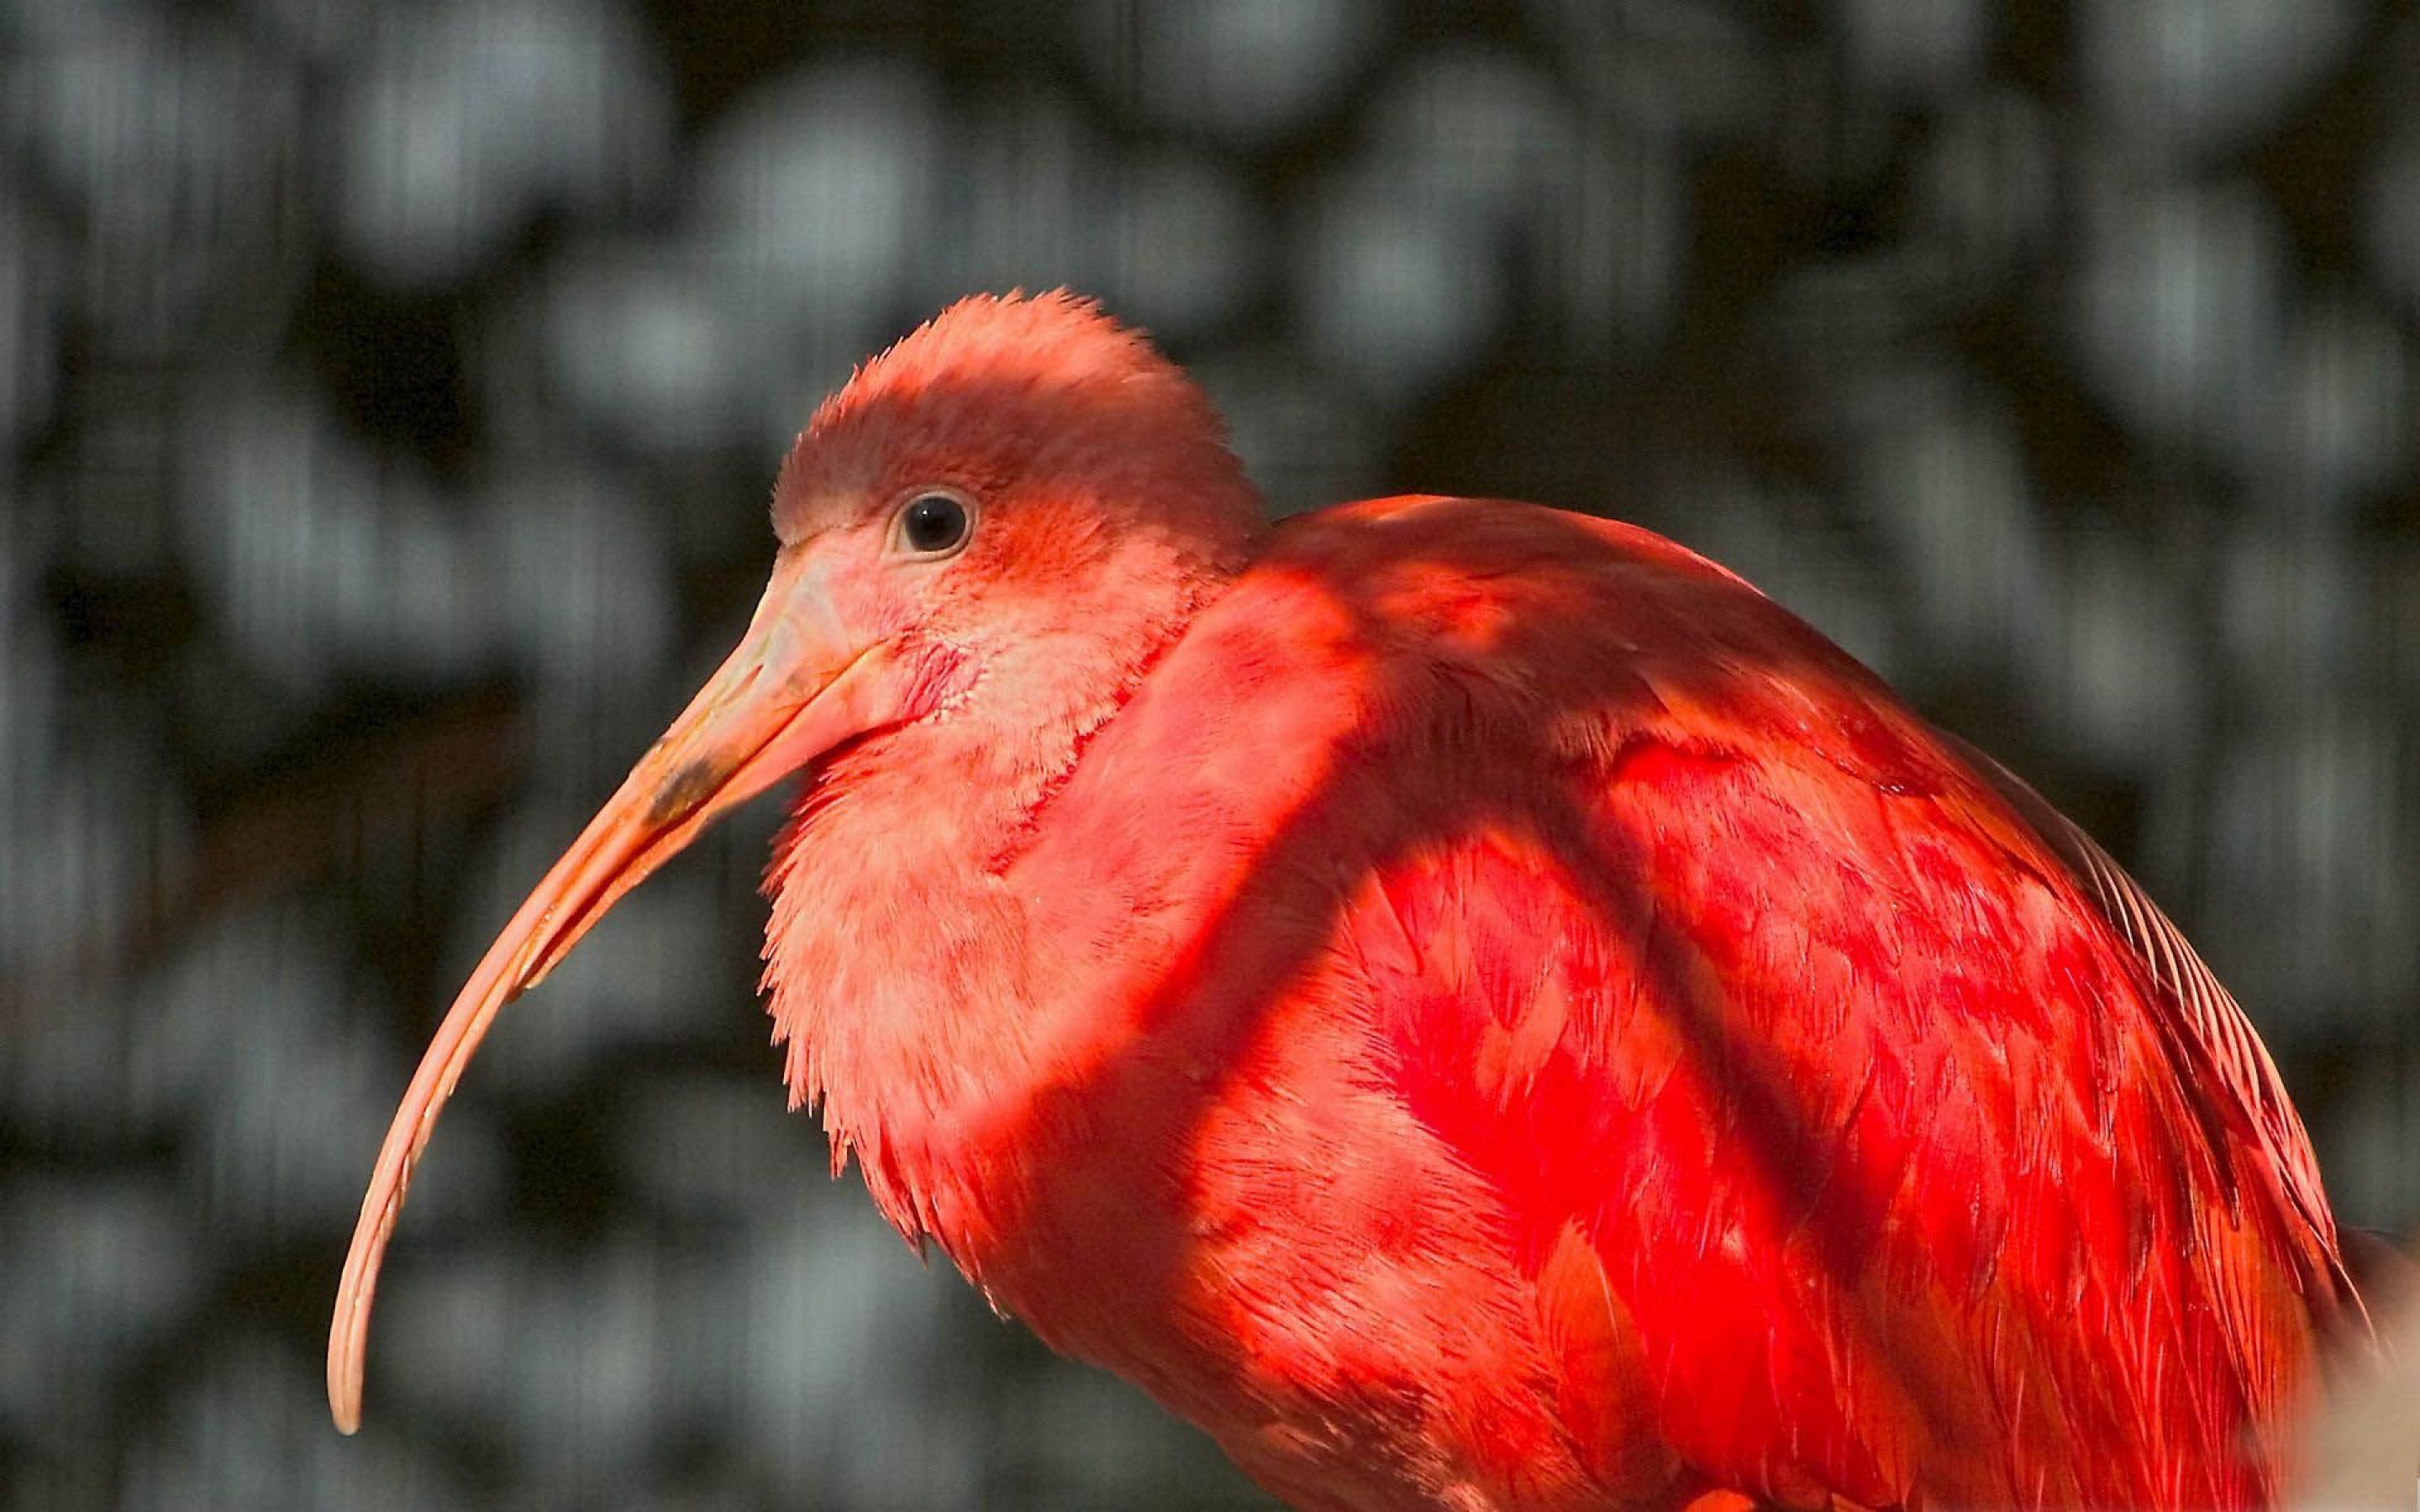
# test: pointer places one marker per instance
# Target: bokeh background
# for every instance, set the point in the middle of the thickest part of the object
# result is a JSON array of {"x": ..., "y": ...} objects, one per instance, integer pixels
[{"x": 389, "y": 395}]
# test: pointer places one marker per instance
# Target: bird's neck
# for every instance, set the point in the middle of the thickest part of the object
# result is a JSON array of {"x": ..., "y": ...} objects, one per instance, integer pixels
[{"x": 924, "y": 990}]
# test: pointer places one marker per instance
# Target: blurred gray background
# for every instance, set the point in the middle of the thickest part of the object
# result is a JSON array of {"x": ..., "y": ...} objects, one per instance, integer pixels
[{"x": 389, "y": 395}]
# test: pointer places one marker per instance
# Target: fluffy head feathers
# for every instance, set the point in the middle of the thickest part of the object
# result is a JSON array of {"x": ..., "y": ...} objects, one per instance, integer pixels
[{"x": 1016, "y": 394}]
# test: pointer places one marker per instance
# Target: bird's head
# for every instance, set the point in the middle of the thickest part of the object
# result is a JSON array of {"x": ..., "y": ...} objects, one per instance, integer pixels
[
  {"x": 994, "y": 524},
  {"x": 1007, "y": 502}
]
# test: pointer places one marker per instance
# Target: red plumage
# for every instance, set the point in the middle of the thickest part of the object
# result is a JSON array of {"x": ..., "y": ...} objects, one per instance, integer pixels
[{"x": 1473, "y": 1006}]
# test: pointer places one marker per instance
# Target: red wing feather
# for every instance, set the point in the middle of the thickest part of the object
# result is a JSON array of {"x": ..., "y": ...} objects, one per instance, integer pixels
[
  {"x": 1923, "y": 1159},
  {"x": 2245, "y": 1078}
]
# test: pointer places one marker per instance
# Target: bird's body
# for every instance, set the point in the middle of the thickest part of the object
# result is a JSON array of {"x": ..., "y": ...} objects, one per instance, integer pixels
[{"x": 1473, "y": 1006}]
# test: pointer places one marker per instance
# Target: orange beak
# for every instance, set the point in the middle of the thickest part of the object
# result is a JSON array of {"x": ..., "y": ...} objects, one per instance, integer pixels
[{"x": 797, "y": 686}]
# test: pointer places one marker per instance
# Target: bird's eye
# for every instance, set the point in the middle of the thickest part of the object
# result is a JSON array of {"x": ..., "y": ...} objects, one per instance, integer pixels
[{"x": 932, "y": 524}]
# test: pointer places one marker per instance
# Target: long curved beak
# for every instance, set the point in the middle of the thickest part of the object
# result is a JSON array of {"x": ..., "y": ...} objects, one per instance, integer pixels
[{"x": 797, "y": 686}]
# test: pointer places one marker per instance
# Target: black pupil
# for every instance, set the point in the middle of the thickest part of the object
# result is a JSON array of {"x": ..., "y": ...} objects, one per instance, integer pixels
[{"x": 935, "y": 524}]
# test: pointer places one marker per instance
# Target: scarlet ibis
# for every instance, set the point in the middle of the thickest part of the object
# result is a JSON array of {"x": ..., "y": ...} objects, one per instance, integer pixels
[{"x": 1473, "y": 1006}]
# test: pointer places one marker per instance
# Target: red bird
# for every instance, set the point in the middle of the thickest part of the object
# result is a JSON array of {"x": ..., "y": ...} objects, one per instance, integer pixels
[{"x": 1473, "y": 1006}]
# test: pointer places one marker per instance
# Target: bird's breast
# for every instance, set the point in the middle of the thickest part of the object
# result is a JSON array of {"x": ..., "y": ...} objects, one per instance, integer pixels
[{"x": 1279, "y": 1251}]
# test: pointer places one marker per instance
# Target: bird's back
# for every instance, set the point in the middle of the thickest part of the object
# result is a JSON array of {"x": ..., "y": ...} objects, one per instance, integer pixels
[{"x": 1709, "y": 1078}]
